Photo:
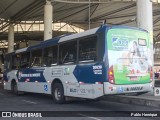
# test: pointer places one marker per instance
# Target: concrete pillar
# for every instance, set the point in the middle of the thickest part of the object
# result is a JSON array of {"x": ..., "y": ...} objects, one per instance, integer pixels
[
  {"x": 10, "y": 38},
  {"x": 1, "y": 62},
  {"x": 145, "y": 21},
  {"x": 145, "y": 18},
  {"x": 145, "y": 15},
  {"x": 48, "y": 13}
]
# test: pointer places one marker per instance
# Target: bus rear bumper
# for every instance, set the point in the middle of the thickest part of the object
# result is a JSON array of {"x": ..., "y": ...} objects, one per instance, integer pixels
[{"x": 122, "y": 89}]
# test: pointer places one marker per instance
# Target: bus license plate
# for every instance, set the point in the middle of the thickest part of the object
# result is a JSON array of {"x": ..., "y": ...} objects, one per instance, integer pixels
[{"x": 133, "y": 78}]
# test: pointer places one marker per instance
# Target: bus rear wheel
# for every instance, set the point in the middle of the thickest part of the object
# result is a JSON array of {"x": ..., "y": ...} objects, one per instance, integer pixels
[{"x": 58, "y": 93}]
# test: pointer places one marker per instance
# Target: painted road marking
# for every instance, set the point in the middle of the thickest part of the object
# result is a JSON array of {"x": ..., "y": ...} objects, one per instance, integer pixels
[
  {"x": 89, "y": 117},
  {"x": 29, "y": 101}
]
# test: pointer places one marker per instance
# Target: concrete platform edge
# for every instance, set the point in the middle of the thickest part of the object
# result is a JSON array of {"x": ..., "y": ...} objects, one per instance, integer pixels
[{"x": 132, "y": 100}]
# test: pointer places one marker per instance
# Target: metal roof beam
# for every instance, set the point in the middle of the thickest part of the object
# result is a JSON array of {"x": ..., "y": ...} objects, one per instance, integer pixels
[
  {"x": 22, "y": 13},
  {"x": 70, "y": 8},
  {"x": 75, "y": 13},
  {"x": 155, "y": 12},
  {"x": 114, "y": 11},
  {"x": 94, "y": 10},
  {"x": 91, "y": 11},
  {"x": 156, "y": 20},
  {"x": 125, "y": 22},
  {"x": 4, "y": 10},
  {"x": 119, "y": 16},
  {"x": 97, "y": 1},
  {"x": 87, "y": 1},
  {"x": 27, "y": 9}
]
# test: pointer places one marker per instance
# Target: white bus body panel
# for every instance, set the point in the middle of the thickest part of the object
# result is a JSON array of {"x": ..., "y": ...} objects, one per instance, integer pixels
[
  {"x": 11, "y": 76},
  {"x": 85, "y": 90},
  {"x": 64, "y": 73},
  {"x": 36, "y": 87}
]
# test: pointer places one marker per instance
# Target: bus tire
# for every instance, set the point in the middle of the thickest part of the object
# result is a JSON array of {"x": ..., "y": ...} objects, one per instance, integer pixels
[{"x": 58, "y": 93}]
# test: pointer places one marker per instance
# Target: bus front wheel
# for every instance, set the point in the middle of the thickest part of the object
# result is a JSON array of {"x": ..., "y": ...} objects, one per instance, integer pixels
[{"x": 58, "y": 93}]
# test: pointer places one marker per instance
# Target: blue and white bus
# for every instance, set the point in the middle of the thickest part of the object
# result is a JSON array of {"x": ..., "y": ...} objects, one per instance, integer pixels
[{"x": 101, "y": 61}]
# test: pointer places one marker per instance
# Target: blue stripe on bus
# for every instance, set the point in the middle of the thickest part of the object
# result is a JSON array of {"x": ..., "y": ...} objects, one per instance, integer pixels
[
  {"x": 28, "y": 74},
  {"x": 88, "y": 74}
]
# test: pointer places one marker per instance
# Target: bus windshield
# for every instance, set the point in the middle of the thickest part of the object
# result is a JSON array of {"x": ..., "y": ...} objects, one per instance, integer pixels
[{"x": 129, "y": 55}]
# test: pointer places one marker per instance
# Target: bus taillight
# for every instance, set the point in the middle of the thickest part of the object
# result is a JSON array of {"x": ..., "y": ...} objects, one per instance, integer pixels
[
  {"x": 98, "y": 82},
  {"x": 111, "y": 75}
]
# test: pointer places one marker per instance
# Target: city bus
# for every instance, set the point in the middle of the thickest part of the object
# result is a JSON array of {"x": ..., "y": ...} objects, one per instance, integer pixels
[{"x": 107, "y": 60}]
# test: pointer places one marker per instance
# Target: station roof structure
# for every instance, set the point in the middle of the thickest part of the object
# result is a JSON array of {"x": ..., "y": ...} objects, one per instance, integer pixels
[{"x": 81, "y": 13}]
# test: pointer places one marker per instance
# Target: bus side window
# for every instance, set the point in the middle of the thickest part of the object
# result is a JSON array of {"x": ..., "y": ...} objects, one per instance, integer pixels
[
  {"x": 68, "y": 52},
  {"x": 36, "y": 59},
  {"x": 7, "y": 62},
  {"x": 16, "y": 61},
  {"x": 50, "y": 56},
  {"x": 25, "y": 57},
  {"x": 87, "y": 49}
]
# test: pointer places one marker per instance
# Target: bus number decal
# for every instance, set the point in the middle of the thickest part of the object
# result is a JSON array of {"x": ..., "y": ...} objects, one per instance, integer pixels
[
  {"x": 82, "y": 91},
  {"x": 73, "y": 90},
  {"x": 97, "y": 69}
]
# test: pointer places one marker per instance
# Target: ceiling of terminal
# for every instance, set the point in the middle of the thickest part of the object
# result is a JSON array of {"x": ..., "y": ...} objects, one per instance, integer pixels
[{"x": 76, "y": 12}]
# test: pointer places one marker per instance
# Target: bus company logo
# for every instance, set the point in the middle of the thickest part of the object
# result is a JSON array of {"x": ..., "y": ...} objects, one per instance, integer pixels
[
  {"x": 119, "y": 43},
  {"x": 21, "y": 75},
  {"x": 136, "y": 88},
  {"x": 66, "y": 71}
]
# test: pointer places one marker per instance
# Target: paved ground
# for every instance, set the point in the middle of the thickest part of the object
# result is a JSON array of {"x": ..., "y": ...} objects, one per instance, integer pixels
[
  {"x": 147, "y": 99},
  {"x": 41, "y": 102}
]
